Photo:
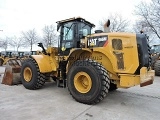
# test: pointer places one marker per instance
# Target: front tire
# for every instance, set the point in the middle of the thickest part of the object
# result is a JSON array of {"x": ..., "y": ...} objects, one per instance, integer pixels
[
  {"x": 88, "y": 81},
  {"x": 31, "y": 76}
]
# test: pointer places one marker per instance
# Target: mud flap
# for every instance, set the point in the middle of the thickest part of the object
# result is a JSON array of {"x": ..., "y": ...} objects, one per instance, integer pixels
[{"x": 12, "y": 72}]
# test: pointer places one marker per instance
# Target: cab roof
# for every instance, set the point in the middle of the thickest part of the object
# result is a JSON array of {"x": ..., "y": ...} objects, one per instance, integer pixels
[{"x": 75, "y": 19}]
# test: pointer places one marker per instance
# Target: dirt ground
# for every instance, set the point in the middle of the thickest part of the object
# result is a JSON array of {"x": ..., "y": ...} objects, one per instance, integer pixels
[{"x": 53, "y": 103}]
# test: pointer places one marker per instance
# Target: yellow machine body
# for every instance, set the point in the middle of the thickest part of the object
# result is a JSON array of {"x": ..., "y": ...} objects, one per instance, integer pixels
[{"x": 121, "y": 70}]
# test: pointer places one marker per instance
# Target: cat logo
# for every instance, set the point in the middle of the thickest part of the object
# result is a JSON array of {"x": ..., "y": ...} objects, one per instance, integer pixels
[{"x": 94, "y": 41}]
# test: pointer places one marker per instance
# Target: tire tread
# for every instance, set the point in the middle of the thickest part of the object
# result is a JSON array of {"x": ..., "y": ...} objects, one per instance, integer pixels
[{"x": 105, "y": 82}]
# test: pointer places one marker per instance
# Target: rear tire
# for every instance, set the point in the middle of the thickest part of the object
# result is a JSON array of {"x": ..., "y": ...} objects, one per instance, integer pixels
[
  {"x": 88, "y": 81},
  {"x": 31, "y": 76},
  {"x": 157, "y": 68}
]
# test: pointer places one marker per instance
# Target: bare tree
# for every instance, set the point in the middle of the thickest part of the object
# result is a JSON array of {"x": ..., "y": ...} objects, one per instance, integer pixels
[
  {"x": 117, "y": 23},
  {"x": 149, "y": 15},
  {"x": 4, "y": 43},
  {"x": 17, "y": 42},
  {"x": 141, "y": 27},
  {"x": 49, "y": 35},
  {"x": 30, "y": 38},
  {"x": 1, "y": 42}
]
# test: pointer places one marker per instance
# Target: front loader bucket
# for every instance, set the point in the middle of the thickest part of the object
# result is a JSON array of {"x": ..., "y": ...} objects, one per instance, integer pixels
[{"x": 12, "y": 72}]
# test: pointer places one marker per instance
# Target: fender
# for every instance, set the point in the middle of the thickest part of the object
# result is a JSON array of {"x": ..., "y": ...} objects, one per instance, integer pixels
[
  {"x": 84, "y": 52},
  {"x": 45, "y": 63},
  {"x": 73, "y": 56}
]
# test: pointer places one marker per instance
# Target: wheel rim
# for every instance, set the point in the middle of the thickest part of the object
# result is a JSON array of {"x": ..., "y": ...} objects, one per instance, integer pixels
[
  {"x": 82, "y": 82},
  {"x": 27, "y": 74}
]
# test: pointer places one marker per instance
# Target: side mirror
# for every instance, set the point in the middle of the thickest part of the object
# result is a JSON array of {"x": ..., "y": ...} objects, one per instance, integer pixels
[{"x": 40, "y": 44}]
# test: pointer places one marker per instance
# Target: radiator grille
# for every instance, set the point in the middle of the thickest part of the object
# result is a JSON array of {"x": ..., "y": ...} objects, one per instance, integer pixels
[{"x": 117, "y": 44}]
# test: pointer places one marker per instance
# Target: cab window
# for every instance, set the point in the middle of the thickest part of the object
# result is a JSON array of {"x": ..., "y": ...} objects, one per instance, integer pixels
[{"x": 84, "y": 29}]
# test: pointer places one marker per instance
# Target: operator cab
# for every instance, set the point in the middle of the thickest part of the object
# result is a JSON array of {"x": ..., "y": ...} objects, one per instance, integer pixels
[{"x": 71, "y": 31}]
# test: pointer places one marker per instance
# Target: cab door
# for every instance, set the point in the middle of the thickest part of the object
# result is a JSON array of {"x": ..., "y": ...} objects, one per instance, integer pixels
[{"x": 67, "y": 38}]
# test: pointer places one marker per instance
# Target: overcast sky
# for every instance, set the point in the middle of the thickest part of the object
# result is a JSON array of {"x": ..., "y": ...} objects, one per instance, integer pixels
[{"x": 23, "y": 15}]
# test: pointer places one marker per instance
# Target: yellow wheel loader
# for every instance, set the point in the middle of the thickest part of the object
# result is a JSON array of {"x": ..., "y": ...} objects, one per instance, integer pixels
[
  {"x": 90, "y": 64},
  {"x": 5, "y": 56},
  {"x": 34, "y": 52},
  {"x": 12, "y": 64},
  {"x": 156, "y": 59}
]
